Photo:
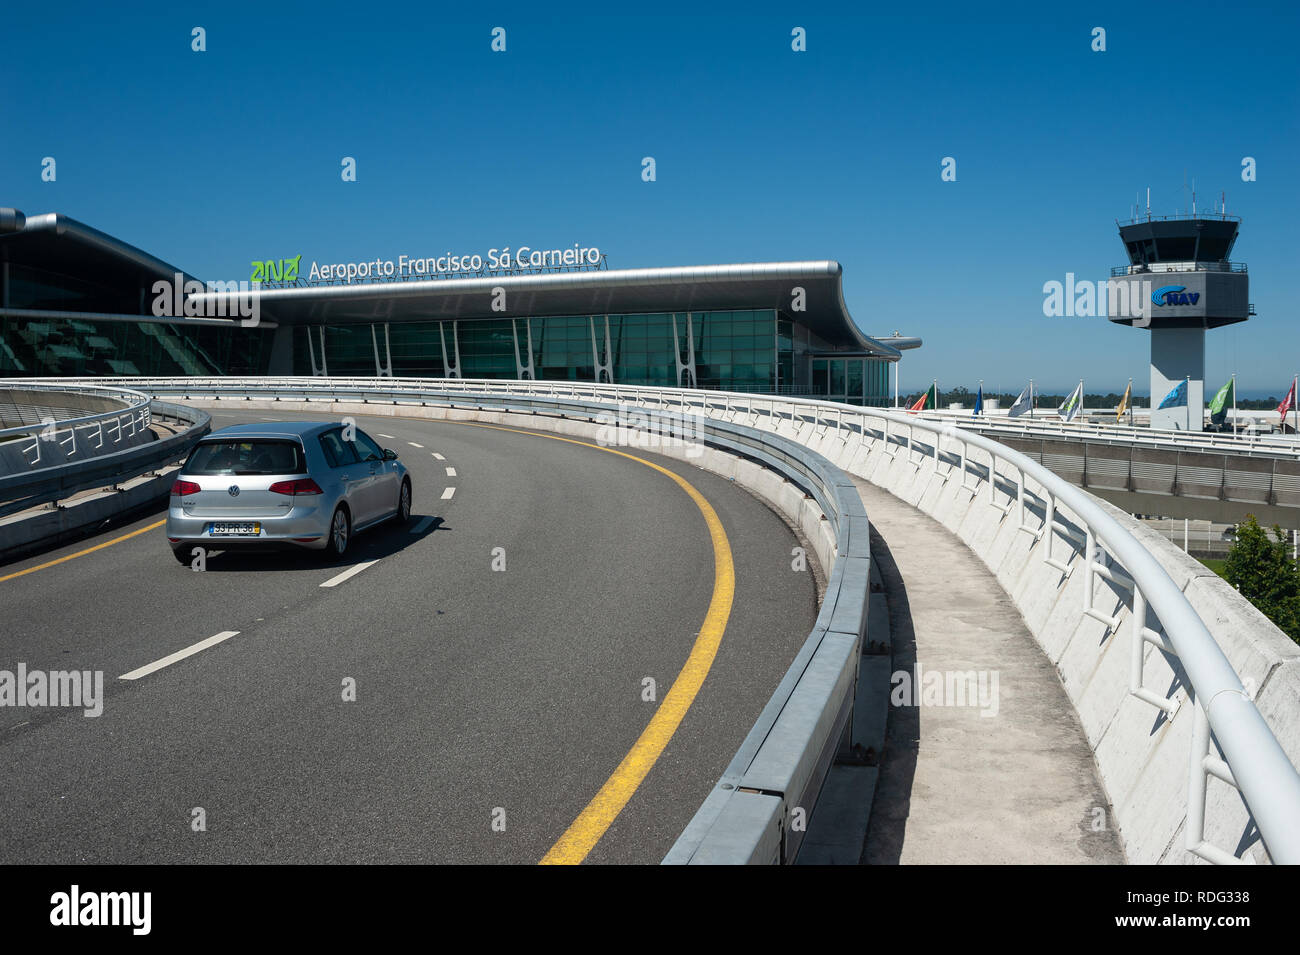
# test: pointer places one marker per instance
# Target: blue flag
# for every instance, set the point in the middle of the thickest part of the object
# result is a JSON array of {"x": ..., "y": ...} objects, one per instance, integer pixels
[
  {"x": 1176, "y": 398},
  {"x": 979, "y": 402}
]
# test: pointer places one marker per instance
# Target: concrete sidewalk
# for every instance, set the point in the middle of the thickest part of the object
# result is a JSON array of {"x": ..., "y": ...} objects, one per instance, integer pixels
[{"x": 1018, "y": 785}]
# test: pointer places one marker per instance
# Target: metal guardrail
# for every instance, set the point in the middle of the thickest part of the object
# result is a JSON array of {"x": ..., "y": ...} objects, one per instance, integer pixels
[
  {"x": 1043, "y": 426},
  {"x": 1255, "y": 762},
  {"x": 27, "y": 489},
  {"x": 1156, "y": 268},
  {"x": 82, "y": 434}
]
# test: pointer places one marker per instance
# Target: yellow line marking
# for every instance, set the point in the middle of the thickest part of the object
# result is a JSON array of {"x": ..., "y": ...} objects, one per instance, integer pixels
[
  {"x": 595, "y": 820},
  {"x": 83, "y": 553}
]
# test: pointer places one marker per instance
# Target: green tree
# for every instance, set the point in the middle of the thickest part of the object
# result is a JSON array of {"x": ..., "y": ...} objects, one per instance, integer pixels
[{"x": 1261, "y": 568}]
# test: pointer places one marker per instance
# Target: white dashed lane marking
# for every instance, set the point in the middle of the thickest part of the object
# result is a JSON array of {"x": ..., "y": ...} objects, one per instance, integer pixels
[
  {"x": 179, "y": 655},
  {"x": 414, "y": 445},
  {"x": 421, "y": 527},
  {"x": 447, "y": 492},
  {"x": 350, "y": 572},
  {"x": 382, "y": 435},
  {"x": 439, "y": 456},
  {"x": 451, "y": 472}
]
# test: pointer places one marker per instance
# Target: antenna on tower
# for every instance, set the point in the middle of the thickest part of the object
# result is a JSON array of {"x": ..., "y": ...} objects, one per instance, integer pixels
[
  {"x": 1148, "y": 203},
  {"x": 1193, "y": 197}
]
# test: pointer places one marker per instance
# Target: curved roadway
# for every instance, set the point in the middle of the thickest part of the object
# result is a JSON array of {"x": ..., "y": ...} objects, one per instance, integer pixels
[{"x": 477, "y": 690}]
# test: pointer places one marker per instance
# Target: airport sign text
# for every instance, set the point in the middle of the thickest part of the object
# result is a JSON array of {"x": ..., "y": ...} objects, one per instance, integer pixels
[{"x": 405, "y": 266}]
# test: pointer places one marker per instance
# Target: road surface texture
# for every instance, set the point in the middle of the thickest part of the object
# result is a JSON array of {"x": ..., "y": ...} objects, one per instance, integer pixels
[{"x": 490, "y": 706}]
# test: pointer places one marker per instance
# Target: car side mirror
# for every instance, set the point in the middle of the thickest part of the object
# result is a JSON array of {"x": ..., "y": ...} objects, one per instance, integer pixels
[{"x": 390, "y": 455}]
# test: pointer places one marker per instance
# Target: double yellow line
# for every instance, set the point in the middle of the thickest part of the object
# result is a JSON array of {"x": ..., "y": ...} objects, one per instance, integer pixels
[{"x": 592, "y": 823}]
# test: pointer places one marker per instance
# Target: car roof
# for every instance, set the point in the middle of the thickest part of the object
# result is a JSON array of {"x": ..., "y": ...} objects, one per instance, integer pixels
[{"x": 273, "y": 429}]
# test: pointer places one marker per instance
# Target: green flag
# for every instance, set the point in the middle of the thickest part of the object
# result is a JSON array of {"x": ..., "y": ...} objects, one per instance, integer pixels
[
  {"x": 1222, "y": 401},
  {"x": 928, "y": 401}
]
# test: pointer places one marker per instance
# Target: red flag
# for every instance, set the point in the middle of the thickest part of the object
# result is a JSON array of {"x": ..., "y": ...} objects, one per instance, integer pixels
[
  {"x": 928, "y": 400},
  {"x": 1287, "y": 405}
]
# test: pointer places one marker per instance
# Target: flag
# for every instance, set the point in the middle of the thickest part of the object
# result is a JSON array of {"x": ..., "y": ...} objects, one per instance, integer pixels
[
  {"x": 1022, "y": 404},
  {"x": 928, "y": 401},
  {"x": 1219, "y": 404},
  {"x": 1072, "y": 405},
  {"x": 1288, "y": 404},
  {"x": 1123, "y": 402},
  {"x": 979, "y": 402},
  {"x": 1177, "y": 397}
]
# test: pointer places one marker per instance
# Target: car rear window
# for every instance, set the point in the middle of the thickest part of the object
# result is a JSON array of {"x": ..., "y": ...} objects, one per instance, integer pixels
[{"x": 247, "y": 457}]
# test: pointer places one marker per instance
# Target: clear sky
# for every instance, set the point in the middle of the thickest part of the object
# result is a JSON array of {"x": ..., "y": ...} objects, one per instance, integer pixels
[{"x": 209, "y": 160}]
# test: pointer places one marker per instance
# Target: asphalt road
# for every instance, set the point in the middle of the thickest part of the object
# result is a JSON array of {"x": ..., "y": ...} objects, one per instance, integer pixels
[{"x": 482, "y": 697}]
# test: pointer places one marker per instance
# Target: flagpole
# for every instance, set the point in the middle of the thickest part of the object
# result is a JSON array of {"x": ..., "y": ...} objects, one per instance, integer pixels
[
  {"x": 1031, "y": 397},
  {"x": 1295, "y": 405},
  {"x": 1234, "y": 404},
  {"x": 1188, "y": 381}
]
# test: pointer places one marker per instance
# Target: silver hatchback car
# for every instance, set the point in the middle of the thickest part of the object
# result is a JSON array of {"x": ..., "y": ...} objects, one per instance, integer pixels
[{"x": 290, "y": 485}]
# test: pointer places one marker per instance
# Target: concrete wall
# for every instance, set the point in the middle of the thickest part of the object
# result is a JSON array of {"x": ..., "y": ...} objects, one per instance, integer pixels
[
  {"x": 19, "y": 406},
  {"x": 25, "y": 407},
  {"x": 1142, "y": 757}
]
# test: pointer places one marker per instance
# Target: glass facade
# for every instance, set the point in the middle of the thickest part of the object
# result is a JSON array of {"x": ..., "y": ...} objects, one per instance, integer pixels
[
  {"x": 76, "y": 348},
  {"x": 729, "y": 350},
  {"x": 855, "y": 380}
]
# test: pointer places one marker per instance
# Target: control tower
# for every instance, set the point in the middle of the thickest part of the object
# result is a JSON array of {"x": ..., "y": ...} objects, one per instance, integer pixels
[{"x": 1180, "y": 274}]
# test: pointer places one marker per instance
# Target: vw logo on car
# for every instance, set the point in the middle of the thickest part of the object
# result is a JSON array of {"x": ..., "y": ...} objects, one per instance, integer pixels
[{"x": 233, "y": 490}]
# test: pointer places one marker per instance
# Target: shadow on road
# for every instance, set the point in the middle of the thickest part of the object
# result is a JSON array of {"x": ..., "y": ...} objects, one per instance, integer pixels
[
  {"x": 377, "y": 542},
  {"x": 892, "y": 805}
]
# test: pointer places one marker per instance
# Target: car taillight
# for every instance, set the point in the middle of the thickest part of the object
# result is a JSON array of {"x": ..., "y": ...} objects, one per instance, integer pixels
[
  {"x": 301, "y": 486},
  {"x": 185, "y": 487}
]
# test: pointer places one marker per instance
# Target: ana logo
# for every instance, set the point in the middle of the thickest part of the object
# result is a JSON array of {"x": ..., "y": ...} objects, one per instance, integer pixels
[
  {"x": 276, "y": 270},
  {"x": 233, "y": 490},
  {"x": 1174, "y": 295}
]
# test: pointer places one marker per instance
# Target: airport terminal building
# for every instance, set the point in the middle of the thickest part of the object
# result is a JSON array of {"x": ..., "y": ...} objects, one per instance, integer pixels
[{"x": 75, "y": 301}]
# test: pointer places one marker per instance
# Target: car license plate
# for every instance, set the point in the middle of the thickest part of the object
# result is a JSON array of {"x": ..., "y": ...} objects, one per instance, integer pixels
[{"x": 236, "y": 529}]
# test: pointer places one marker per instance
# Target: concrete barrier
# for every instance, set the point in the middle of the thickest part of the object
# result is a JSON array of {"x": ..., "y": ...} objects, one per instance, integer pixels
[{"x": 1141, "y": 753}]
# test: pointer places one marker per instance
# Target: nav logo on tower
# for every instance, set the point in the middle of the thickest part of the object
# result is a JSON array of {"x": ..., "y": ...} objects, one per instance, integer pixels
[
  {"x": 276, "y": 270},
  {"x": 1174, "y": 295}
]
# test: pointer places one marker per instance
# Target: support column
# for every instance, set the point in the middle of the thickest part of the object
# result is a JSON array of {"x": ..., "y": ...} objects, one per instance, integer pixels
[
  {"x": 685, "y": 369},
  {"x": 604, "y": 368},
  {"x": 450, "y": 368},
  {"x": 1178, "y": 353},
  {"x": 323, "y": 370},
  {"x": 386, "y": 370},
  {"x": 524, "y": 371}
]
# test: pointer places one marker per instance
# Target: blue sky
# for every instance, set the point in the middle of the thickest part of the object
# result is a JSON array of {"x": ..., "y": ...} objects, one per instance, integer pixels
[{"x": 209, "y": 160}]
